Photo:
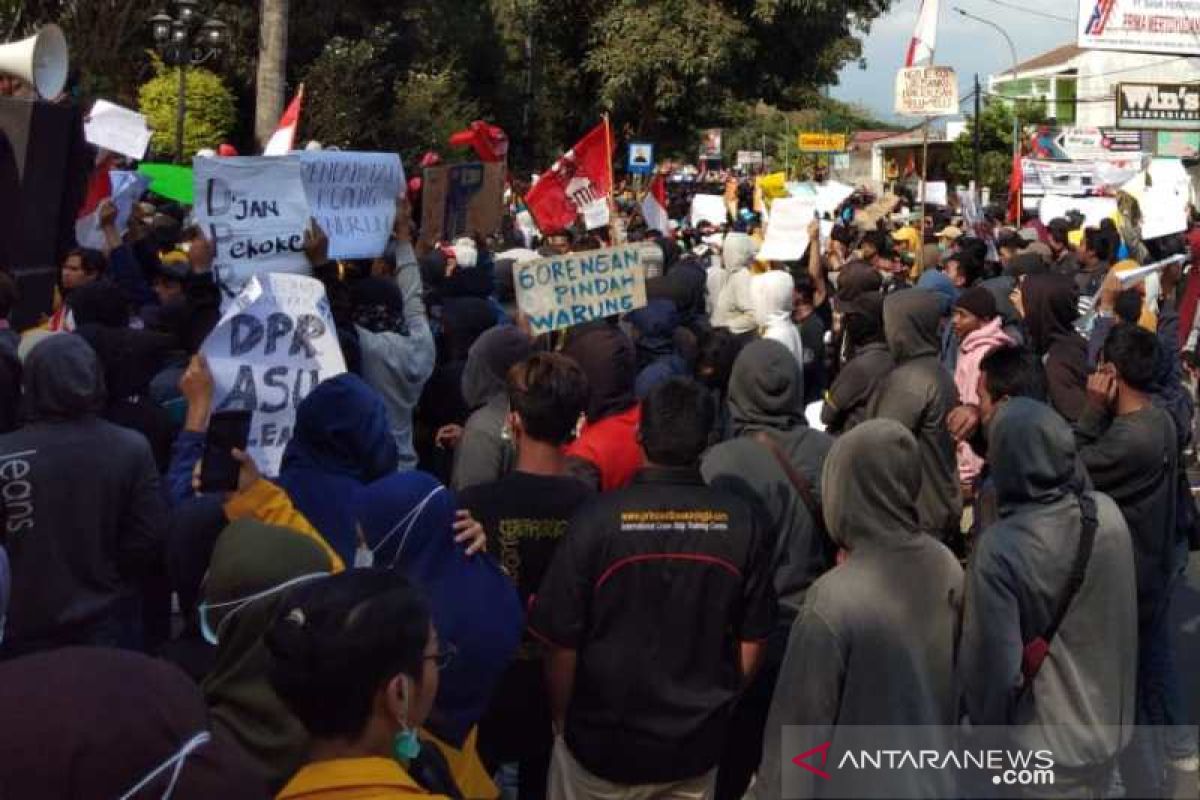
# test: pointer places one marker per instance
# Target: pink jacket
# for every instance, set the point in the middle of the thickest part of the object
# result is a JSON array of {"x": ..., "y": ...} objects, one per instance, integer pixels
[{"x": 966, "y": 378}]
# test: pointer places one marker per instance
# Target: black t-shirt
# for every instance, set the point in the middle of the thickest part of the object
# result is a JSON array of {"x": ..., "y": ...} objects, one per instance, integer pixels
[
  {"x": 654, "y": 586},
  {"x": 525, "y": 516}
]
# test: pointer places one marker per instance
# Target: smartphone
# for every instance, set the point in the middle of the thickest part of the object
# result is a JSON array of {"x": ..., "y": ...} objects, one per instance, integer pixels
[{"x": 227, "y": 430}]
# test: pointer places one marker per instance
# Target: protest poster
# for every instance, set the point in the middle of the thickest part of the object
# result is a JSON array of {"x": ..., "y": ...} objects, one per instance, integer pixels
[
  {"x": 1139, "y": 26},
  {"x": 254, "y": 212},
  {"x": 787, "y": 233},
  {"x": 352, "y": 196},
  {"x": 117, "y": 129},
  {"x": 275, "y": 342},
  {"x": 461, "y": 200},
  {"x": 1094, "y": 209},
  {"x": 747, "y": 159},
  {"x": 170, "y": 181},
  {"x": 562, "y": 291},
  {"x": 708, "y": 208},
  {"x": 125, "y": 189},
  {"x": 936, "y": 193},
  {"x": 926, "y": 91}
]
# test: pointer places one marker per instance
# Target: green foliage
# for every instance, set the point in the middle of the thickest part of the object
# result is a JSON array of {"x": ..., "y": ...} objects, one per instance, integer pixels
[
  {"x": 211, "y": 113},
  {"x": 767, "y": 128},
  {"x": 429, "y": 106},
  {"x": 995, "y": 146},
  {"x": 334, "y": 116}
]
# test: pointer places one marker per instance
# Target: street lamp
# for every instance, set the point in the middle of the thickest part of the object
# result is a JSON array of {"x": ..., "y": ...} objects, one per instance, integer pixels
[
  {"x": 1012, "y": 49},
  {"x": 187, "y": 39}
]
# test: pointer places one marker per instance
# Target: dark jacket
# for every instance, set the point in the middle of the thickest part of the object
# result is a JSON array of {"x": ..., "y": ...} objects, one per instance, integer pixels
[
  {"x": 80, "y": 501},
  {"x": 1050, "y": 311},
  {"x": 10, "y": 381},
  {"x": 862, "y": 314},
  {"x": 918, "y": 394}
]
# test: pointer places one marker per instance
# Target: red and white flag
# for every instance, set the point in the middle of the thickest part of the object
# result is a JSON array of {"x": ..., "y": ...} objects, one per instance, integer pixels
[
  {"x": 579, "y": 183},
  {"x": 924, "y": 38},
  {"x": 654, "y": 206},
  {"x": 281, "y": 141}
]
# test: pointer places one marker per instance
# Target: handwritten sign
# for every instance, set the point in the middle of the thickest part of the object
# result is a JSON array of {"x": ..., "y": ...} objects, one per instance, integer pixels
[
  {"x": 353, "y": 198},
  {"x": 118, "y": 129},
  {"x": 274, "y": 344},
  {"x": 461, "y": 200},
  {"x": 787, "y": 233},
  {"x": 254, "y": 211},
  {"x": 568, "y": 290},
  {"x": 926, "y": 91}
]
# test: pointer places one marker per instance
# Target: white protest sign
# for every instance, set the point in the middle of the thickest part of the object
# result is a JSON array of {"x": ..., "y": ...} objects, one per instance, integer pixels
[
  {"x": 787, "y": 235},
  {"x": 568, "y": 290},
  {"x": 254, "y": 211},
  {"x": 926, "y": 92},
  {"x": 708, "y": 208},
  {"x": 1163, "y": 192},
  {"x": 126, "y": 188},
  {"x": 832, "y": 194},
  {"x": 274, "y": 344},
  {"x": 118, "y": 129},
  {"x": 353, "y": 198},
  {"x": 1094, "y": 209}
]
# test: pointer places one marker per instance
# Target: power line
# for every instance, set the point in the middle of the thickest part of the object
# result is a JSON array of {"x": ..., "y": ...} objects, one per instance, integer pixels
[{"x": 1035, "y": 12}]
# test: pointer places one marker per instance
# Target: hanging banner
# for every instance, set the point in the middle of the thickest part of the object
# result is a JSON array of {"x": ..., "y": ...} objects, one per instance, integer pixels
[
  {"x": 462, "y": 200},
  {"x": 926, "y": 92},
  {"x": 275, "y": 342},
  {"x": 353, "y": 198},
  {"x": 562, "y": 291},
  {"x": 816, "y": 142},
  {"x": 1140, "y": 26},
  {"x": 1077, "y": 178},
  {"x": 1085, "y": 144},
  {"x": 1158, "y": 106}
]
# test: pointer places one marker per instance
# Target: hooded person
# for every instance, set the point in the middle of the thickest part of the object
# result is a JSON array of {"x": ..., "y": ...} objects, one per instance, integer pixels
[
  {"x": 606, "y": 454},
  {"x": 732, "y": 306},
  {"x": 919, "y": 393},
  {"x": 894, "y": 600},
  {"x": 463, "y": 320},
  {"x": 94, "y": 722},
  {"x": 1080, "y": 702},
  {"x": 773, "y": 450},
  {"x": 977, "y": 326},
  {"x": 252, "y": 571},
  {"x": 867, "y": 360},
  {"x": 684, "y": 285},
  {"x": 73, "y": 562},
  {"x": 398, "y": 351},
  {"x": 658, "y": 358},
  {"x": 407, "y": 523},
  {"x": 771, "y": 295},
  {"x": 1049, "y": 309},
  {"x": 484, "y": 454},
  {"x": 341, "y": 441}
]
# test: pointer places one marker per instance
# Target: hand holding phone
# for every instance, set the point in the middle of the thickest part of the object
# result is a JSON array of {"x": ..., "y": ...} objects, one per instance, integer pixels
[{"x": 227, "y": 431}]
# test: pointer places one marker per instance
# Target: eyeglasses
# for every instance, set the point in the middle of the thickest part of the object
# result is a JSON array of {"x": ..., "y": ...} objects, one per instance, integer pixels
[{"x": 443, "y": 656}]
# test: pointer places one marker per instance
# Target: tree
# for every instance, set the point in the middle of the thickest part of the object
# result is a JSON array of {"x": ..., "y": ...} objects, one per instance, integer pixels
[
  {"x": 211, "y": 112},
  {"x": 272, "y": 67},
  {"x": 995, "y": 146}
]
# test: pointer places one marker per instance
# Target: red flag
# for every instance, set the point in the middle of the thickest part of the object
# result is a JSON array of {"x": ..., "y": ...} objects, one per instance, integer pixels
[
  {"x": 1014, "y": 190},
  {"x": 654, "y": 206},
  {"x": 489, "y": 142},
  {"x": 578, "y": 183},
  {"x": 924, "y": 38},
  {"x": 284, "y": 137}
]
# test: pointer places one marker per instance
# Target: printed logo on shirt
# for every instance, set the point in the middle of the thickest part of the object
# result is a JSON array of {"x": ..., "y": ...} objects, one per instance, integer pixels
[
  {"x": 16, "y": 490},
  {"x": 691, "y": 520},
  {"x": 512, "y": 531}
]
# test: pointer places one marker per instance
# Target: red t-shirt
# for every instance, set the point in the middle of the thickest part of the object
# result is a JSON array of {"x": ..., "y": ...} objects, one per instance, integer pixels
[{"x": 611, "y": 444}]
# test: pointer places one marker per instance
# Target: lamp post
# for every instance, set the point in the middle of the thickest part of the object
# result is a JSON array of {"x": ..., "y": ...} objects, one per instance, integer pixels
[
  {"x": 1012, "y": 49},
  {"x": 187, "y": 39}
]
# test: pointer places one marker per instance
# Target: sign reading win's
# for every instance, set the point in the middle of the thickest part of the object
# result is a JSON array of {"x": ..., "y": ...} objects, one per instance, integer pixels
[{"x": 562, "y": 291}]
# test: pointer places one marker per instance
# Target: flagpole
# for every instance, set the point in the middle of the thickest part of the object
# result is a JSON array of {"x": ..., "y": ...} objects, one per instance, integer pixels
[
  {"x": 612, "y": 205},
  {"x": 924, "y": 180}
]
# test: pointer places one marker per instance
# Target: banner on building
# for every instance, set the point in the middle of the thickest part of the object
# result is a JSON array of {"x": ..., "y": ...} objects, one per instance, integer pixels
[
  {"x": 572, "y": 289},
  {"x": 816, "y": 142},
  {"x": 926, "y": 92},
  {"x": 1159, "y": 106},
  {"x": 1077, "y": 178},
  {"x": 1085, "y": 144},
  {"x": 1140, "y": 26}
]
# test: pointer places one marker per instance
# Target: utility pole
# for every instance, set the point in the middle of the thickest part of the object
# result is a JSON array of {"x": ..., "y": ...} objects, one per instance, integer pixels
[{"x": 976, "y": 126}]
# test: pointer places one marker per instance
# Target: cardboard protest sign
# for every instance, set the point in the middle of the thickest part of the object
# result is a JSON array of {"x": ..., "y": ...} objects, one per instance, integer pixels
[
  {"x": 353, "y": 198},
  {"x": 926, "y": 91},
  {"x": 254, "y": 211},
  {"x": 568, "y": 290},
  {"x": 126, "y": 188},
  {"x": 461, "y": 200},
  {"x": 708, "y": 208},
  {"x": 274, "y": 344},
  {"x": 787, "y": 234},
  {"x": 118, "y": 129}
]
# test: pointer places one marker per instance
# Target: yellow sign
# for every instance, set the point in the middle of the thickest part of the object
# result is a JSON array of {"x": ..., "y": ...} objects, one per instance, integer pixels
[{"x": 821, "y": 142}]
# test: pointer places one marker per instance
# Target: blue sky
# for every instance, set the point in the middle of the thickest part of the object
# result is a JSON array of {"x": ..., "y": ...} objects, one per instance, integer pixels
[{"x": 964, "y": 44}]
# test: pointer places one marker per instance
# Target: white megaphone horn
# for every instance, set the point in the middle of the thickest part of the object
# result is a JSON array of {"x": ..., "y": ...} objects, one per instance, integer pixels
[{"x": 41, "y": 61}]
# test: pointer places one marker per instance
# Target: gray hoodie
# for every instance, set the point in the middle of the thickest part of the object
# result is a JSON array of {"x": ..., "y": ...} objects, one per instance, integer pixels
[
  {"x": 874, "y": 643},
  {"x": 1085, "y": 687},
  {"x": 766, "y": 395},
  {"x": 918, "y": 393}
]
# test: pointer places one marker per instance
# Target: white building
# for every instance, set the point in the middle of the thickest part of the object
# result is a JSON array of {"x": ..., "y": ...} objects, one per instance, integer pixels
[{"x": 1079, "y": 86}]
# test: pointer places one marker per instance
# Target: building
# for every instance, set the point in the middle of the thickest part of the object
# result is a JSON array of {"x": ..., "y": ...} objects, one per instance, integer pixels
[{"x": 1079, "y": 86}]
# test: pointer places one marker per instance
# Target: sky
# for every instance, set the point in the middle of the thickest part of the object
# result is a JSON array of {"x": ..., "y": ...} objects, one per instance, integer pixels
[{"x": 962, "y": 43}]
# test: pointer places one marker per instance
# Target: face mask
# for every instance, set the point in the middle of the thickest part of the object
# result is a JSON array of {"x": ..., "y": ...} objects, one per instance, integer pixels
[
  {"x": 405, "y": 745},
  {"x": 403, "y": 527},
  {"x": 177, "y": 761},
  {"x": 212, "y": 637}
]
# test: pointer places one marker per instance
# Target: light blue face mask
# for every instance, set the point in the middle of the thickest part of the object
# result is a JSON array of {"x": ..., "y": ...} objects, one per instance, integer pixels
[{"x": 213, "y": 636}]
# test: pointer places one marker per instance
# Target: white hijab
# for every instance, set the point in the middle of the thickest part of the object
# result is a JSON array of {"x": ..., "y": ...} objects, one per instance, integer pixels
[{"x": 771, "y": 298}]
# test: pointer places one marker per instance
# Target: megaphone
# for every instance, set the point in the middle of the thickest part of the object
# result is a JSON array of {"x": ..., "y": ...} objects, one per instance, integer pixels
[{"x": 41, "y": 60}]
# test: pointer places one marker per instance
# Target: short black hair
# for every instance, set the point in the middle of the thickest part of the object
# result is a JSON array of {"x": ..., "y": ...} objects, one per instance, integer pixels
[
  {"x": 1013, "y": 241},
  {"x": 970, "y": 267},
  {"x": 718, "y": 350},
  {"x": 1128, "y": 305},
  {"x": 92, "y": 261},
  {"x": 677, "y": 416},
  {"x": 1099, "y": 243},
  {"x": 549, "y": 391},
  {"x": 9, "y": 294},
  {"x": 806, "y": 288},
  {"x": 1133, "y": 351},
  {"x": 336, "y": 640},
  {"x": 1014, "y": 372},
  {"x": 1059, "y": 230}
]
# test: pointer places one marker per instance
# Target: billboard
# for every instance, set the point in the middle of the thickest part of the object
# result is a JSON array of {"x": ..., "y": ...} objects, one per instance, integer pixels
[
  {"x": 1158, "y": 106},
  {"x": 1140, "y": 26}
]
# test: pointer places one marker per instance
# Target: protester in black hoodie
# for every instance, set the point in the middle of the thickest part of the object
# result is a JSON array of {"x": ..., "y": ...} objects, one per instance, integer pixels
[
  {"x": 1048, "y": 306},
  {"x": 80, "y": 500}
]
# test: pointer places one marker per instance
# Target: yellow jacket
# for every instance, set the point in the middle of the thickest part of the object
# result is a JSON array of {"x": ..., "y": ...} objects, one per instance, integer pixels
[
  {"x": 353, "y": 779},
  {"x": 269, "y": 504}
]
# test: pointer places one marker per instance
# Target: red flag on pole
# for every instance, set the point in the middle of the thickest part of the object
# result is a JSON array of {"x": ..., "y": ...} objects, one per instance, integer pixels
[
  {"x": 1015, "y": 182},
  {"x": 578, "y": 183},
  {"x": 284, "y": 137}
]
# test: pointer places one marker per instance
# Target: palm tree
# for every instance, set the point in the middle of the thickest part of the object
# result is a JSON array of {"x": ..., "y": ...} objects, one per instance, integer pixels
[{"x": 272, "y": 67}]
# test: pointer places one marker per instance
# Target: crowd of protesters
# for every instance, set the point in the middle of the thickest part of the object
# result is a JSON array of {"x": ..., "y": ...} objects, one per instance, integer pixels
[{"x": 917, "y": 477}]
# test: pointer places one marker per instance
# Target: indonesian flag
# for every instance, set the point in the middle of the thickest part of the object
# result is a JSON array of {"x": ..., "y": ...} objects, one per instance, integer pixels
[
  {"x": 284, "y": 136},
  {"x": 578, "y": 183},
  {"x": 654, "y": 206},
  {"x": 87, "y": 219},
  {"x": 924, "y": 38}
]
